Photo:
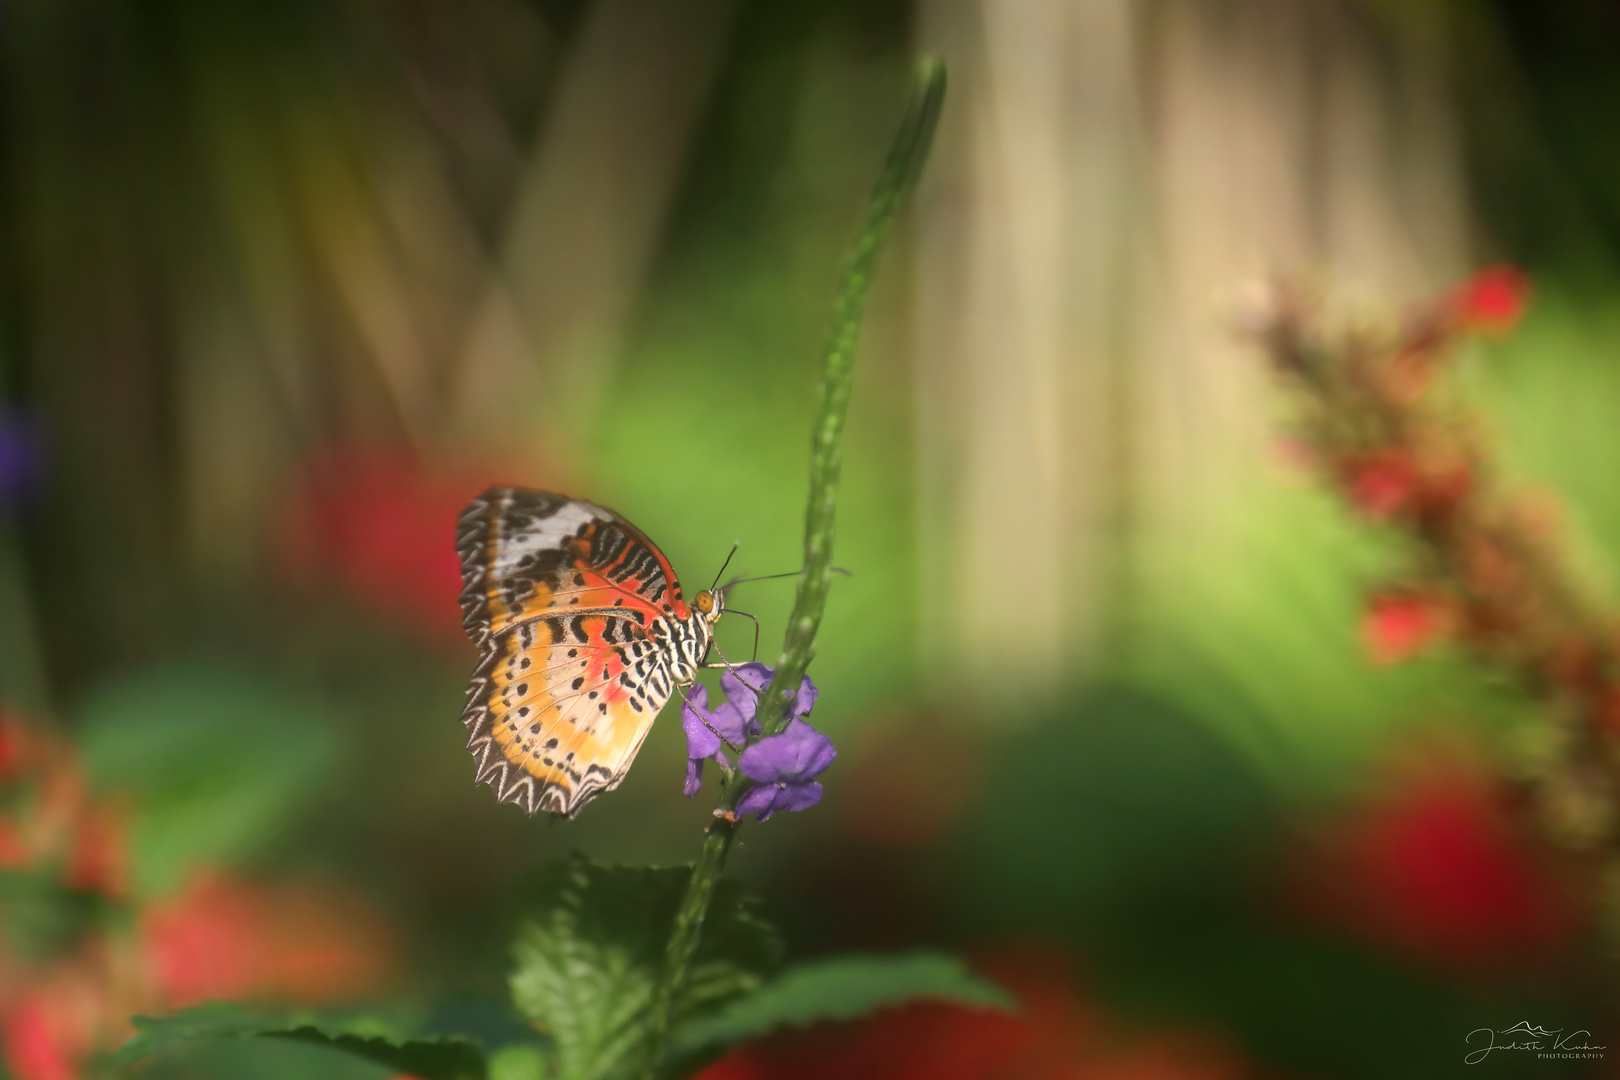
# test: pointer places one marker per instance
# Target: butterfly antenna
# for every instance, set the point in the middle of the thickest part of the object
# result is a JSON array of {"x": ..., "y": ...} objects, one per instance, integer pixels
[
  {"x": 785, "y": 573},
  {"x": 735, "y": 544}
]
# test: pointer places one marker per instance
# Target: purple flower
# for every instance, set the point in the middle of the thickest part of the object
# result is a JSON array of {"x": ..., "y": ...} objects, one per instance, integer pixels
[
  {"x": 744, "y": 685},
  {"x": 731, "y": 725},
  {"x": 694, "y": 777},
  {"x": 707, "y": 733},
  {"x": 20, "y": 457},
  {"x": 783, "y": 768}
]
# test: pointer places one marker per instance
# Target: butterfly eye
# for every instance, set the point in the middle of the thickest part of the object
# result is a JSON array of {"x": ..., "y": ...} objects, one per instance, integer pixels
[{"x": 704, "y": 601}]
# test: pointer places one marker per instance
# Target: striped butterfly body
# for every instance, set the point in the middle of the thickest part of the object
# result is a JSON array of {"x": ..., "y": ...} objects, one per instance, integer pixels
[{"x": 583, "y": 636}]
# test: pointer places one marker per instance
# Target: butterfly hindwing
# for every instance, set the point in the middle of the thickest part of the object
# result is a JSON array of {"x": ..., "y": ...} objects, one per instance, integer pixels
[{"x": 569, "y": 604}]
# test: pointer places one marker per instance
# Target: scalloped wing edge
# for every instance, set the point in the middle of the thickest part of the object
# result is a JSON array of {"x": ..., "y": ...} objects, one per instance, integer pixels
[{"x": 510, "y": 783}]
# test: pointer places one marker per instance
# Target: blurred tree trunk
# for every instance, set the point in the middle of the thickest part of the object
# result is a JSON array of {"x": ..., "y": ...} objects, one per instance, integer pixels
[
  {"x": 1109, "y": 176},
  {"x": 587, "y": 215},
  {"x": 249, "y": 234}
]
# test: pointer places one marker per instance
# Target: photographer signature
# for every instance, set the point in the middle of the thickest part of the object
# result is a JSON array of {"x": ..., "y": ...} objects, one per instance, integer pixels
[{"x": 1528, "y": 1037}]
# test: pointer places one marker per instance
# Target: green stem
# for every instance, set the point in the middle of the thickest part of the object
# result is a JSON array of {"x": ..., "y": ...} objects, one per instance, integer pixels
[
  {"x": 684, "y": 936},
  {"x": 906, "y": 156}
]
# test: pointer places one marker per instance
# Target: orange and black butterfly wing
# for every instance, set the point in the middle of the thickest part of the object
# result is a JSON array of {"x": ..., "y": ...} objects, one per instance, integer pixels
[{"x": 564, "y": 599}]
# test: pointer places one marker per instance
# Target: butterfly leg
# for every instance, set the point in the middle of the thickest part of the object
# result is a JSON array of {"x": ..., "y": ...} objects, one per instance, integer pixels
[
  {"x": 728, "y": 665},
  {"x": 751, "y": 618},
  {"x": 681, "y": 690},
  {"x": 724, "y": 664}
]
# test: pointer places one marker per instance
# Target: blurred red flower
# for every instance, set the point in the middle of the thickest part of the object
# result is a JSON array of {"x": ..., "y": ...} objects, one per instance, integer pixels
[
  {"x": 383, "y": 526},
  {"x": 1608, "y": 710},
  {"x": 1397, "y": 483},
  {"x": 1058, "y": 1034},
  {"x": 1493, "y": 300},
  {"x": 14, "y": 853},
  {"x": 222, "y": 938},
  {"x": 1382, "y": 485},
  {"x": 36, "y": 1046},
  {"x": 98, "y": 859},
  {"x": 1438, "y": 869},
  {"x": 219, "y": 938},
  {"x": 14, "y": 745},
  {"x": 52, "y": 818},
  {"x": 57, "y": 1017},
  {"x": 1400, "y": 625}
]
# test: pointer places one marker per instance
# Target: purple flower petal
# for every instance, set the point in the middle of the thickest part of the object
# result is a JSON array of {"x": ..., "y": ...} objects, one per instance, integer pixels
[
  {"x": 781, "y": 765},
  {"x": 754, "y": 675},
  {"x": 768, "y": 799},
  {"x": 732, "y": 725},
  {"x": 757, "y": 800},
  {"x": 805, "y": 699},
  {"x": 798, "y": 753},
  {"x": 702, "y": 739},
  {"x": 800, "y": 796},
  {"x": 744, "y": 685}
]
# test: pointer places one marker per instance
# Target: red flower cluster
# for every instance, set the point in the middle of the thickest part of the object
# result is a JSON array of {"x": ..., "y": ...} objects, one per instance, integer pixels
[
  {"x": 50, "y": 821},
  {"x": 1399, "y": 484},
  {"x": 1058, "y": 1034},
  {"x": 380, "y": 524},
  {"x": 1402, "y": 624},
  {"x": 1436, "y": 868},
  {"x": 218, "y": 938},
  {"x": 1485, "y": 571},
  {"x": 1492, "y": 301},
  {"x": 223, "y": 938}
]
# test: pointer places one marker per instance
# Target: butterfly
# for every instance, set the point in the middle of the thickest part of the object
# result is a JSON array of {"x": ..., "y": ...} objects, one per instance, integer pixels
[{"x": 583, "y": 636}]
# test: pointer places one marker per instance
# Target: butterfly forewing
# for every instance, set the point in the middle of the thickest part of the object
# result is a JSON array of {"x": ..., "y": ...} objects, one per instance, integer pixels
[{"x": 572, "y": 609}]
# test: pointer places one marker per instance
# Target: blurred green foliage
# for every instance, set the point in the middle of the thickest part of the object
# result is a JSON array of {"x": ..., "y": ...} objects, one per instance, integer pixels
[
  {"x": 216, "y": 764},
  {"x": 1122, "y": 823},
  {"x": 586, "y": 966}
]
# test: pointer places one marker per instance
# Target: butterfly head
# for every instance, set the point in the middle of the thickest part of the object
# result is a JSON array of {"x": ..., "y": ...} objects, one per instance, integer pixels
[{"x": 710, "y": 603}]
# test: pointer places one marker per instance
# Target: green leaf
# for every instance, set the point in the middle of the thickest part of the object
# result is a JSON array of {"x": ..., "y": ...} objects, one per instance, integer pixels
[
  {"x": 587, "y": 962},
  {"x": 520, "y": 1062},
  {"x": 840, "y": 988},
  {"x": 215, "y": 762},
  {"x": 365, "y": 1037}
]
